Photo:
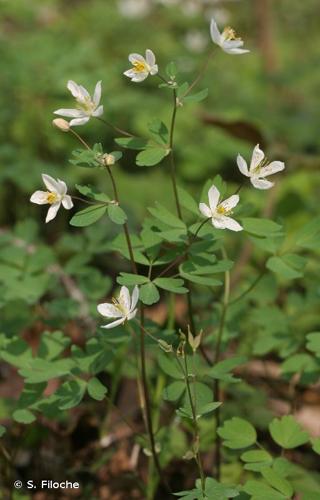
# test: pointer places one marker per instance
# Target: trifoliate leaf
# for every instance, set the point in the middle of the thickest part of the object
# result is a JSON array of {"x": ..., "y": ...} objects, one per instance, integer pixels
[
  {"x": 88, "y": 216},
  {"x": 116, "y": 214},
  {"x": 237, "y": 433},
  {"x": 287, "y": 433},
  {"x": 149, "y": 294}
]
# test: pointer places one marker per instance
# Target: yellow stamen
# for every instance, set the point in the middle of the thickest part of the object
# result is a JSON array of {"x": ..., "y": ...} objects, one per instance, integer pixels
[
  {"x": 139, "y": 66},
  {"x": 229, "y": 34},
  {"x": 221, "y": 210},
  {"x": 118, "y": 305},
  {"x": 52, "y": 198}
]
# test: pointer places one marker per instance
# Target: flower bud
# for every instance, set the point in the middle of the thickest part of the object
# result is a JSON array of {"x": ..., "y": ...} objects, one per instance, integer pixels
[
  {"x": 108, "y": 159},
  {"x": 61, "y": 124}
]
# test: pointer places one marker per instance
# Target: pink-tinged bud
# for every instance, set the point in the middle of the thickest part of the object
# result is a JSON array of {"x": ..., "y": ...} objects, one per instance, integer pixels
[{"x": 61, "y": 124}]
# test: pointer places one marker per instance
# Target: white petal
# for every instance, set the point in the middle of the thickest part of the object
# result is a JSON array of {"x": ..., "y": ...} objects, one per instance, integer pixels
[
  {"x": 97, "y": 94},
  {"x": 215, "y": 33},
  {"x": 213, "y": 195},
  {"x": 235, "y": 51},
  {"x": 261, "y": 183},
  {"x": 73, "y": 87},
  {"x": 257, "y": 157},
  {"x": 154, "y": 70},
  {"x": 205, "y": 210},
  {"x": 51, "y": 184},
  {"x": 72, "y": 113},
  {"x": 224, "y": 222},
  {"x": 124, "y": 298},
  {"x": 130, "y": 73},
  {"x": 134, "y": 297},
  {"x": 98, "y": 111},
  {"x": 150, "y": 57},
  {"x": 114, "y": 323},
  {"x": 52, "y": 212},
  {"x": 67, "y": 202},
  {"x": 39, "y": 197},
  {"x": 83, "y": 93},
  {"x": 132, "y": 314},
  {"x": 272, "y": 168},
  {"x": 242, "y": 164},
  {"x": 139, "y": 77},
  {"x": 230, "y": 203},
  {"x": 62, "y": 187},
  {"x": 136, "y": 57},
  {"x": 232, "y": 44},
  {"x": 79, "y": 121},
  {"x": 109, "y": 311}
]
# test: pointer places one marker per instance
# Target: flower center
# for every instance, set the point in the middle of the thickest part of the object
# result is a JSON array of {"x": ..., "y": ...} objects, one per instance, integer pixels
[
  {"x": 229, "y": 34},
  {"x": 221, "y": 210},
  {"x": 119, "y": 306},
  {"x": 86, "y": 105},
  {"x": 262, "y": 164},
  {"x": 139, "y": 66},
  {"x": 52, "y": 197}
]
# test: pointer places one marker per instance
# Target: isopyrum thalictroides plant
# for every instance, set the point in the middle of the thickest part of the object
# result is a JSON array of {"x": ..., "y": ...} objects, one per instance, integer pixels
[{"x": 183, "y": 374}]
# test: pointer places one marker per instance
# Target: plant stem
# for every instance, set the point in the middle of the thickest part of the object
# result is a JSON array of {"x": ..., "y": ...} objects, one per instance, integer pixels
[
  {"x": 172, "y": 162},
  {"x": 195, "y": 423},
  {"x": 117, "y": 129},
  {"x": 83, "y": 200},
  {"x": 225, "y": 304},
  {"x": 249, "y": 289},
  {"x": 200, "y": 75},
  {"x": 83, "y": 142}
]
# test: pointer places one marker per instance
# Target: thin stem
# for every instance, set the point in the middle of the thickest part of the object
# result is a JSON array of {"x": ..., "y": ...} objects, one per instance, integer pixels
[
  {"x": 200, "y": 75},
  {"x": 83, "y": 142},
  {"x": 117, "y": 129},
  {"x": 249, "y": 289},
  {"x": 195, "y": 423},
  {"x": 83, "y": 200},
  {"x": 225, "y": 305},
  {"x": 172, "y": 162}
]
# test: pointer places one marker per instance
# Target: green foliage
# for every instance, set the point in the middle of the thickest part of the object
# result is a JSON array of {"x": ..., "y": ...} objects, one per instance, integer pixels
[
  {"x": 287, "y": 433},
  {"x": 237, "y": 433}
]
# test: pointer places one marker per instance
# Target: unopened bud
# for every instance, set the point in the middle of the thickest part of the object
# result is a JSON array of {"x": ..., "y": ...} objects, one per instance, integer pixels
[
  {"x": 61, "y": 124},
  {"x": 194, "y": 342},
  {"x": 108, "y": 159}
]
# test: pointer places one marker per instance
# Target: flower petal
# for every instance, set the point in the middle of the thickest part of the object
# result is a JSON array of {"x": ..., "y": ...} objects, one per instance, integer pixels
[
  {"x": 97, "y": 94},
  {"x": 114, "y": 323},
  {"x": 79, "y": 121},
  {"x": 53, "y": 210},
  {"x": 51, "y": 184},
  {"x": 236, "y": 52},
  {"x": 67, "y": 202},
  {"x": 72, "y": 113},
  {"x": 214, "y": 32},
  {"x": 261, "y": 183},
  {"x": 132, "y": 314},
  {"x": 73, "y": 87},
  {"x": 83, "y": 93},
  {"x": 150, "y": 57},
  {"x": 109, "y": 311},
  {"x": 139, "y": 77},
  {"x": 136, "y": 57},
  {"x": 242, "y": 165},
  {"x": 124, "y": 298},
  {"x": 257, "y": 157},
  {"x": 213, "y": 195},
  {"x": 224, "y": 222},
  {"x": 272, "y": 168},
  {"x": 134, "y": 297},
  {"x": 39, "y": 197},
  {"x": 230, "y": 203},
  {"x": 62, "y": 187},
  {"x": 154, "y": 69},
  {"x": 205, "y": 210},
  {"x": 98, "y": 111}
]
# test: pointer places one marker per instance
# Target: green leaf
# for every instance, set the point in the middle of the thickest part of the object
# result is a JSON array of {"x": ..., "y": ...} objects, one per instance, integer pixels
[
  {"x": 277, "y": 481},
  {"x": 309, "y": 235},
  {"x": 237, "y": 433},
  {"x": 116, "y": 214},
  {"x": 88, "y": 216},
  {"x": 256, "y": 456},
  {"x": 221, "y": 370},
  {"x": 260, "y": 227},
  {"x": 70, "y": 393},
  {"x": 165, "y": 216},
  {"x": 132, "y": 142},
  {"x": 151, "y": 156},
  {"x": 129, "y": 279},
  {"x": 316, "y": 445},
  {"x": 174, "y": 391},
  {"x": 207, "y": 408},
  {"x": 171, "y": 285},
  {"x": 149, "y": 294},
  {"x": 160, "y": 130},
  {"x": 171, "y": 70},
  {"x": 23, "y": 416},
  {"x": 198, "y": 97},
  {"x": 288, "y": 266},
  {"x": 187, "y": 201},
  {"x": 170, "y": 366},
  {"x": 261, "y": 491},
  {"x": 88, "y": 158},
  {"x": 92, "y": 192},
  {"x": 52, "y": 344},
  {"x": 2, "y": 430},
  {"x": 96, "y": 389},
  {"x": 287, "y": 433},
  {"x": 313, "y": 343}
]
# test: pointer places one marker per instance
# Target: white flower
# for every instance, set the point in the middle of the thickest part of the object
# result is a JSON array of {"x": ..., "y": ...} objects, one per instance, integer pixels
[
  {"x": 87, "y": 106},
  {"x": 123, "y": 308},
  {"x": 56, "y": 194},
  {"x": 259, "y": 168},
  {"x": 142, "y": 67},
  {"x": 227, "y": 40},
  {"x": 219, "y": 212}
]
